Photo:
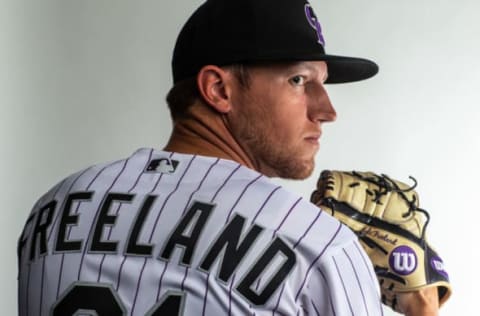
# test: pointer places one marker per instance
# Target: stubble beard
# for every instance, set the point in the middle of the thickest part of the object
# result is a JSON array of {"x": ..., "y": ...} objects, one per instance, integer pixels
[
  {"x": 275, "y": 158},
  {"x": 287, "y": 165}
]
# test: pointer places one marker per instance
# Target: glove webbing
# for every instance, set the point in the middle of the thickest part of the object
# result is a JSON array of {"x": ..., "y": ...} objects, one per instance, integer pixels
[{"x": 387, "y": 185}]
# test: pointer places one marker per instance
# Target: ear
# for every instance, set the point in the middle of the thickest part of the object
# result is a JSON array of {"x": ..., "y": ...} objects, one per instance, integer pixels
[{"x": 214, "y": 85}]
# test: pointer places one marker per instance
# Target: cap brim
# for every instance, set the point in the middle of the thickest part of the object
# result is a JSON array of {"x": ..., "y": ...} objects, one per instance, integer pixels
[
  {"x": 341, "y": 69},
  {"x": 349, "y": 69}
]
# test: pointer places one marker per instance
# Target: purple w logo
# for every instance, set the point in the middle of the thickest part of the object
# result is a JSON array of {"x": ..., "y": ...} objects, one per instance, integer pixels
[{"x": 403, "y": 260}]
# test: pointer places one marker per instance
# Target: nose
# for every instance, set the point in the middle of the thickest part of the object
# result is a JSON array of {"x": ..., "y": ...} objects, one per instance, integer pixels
[{"x": 320, "y": 108}]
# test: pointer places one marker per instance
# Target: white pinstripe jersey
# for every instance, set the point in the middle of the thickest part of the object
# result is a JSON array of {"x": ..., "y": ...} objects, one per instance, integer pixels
[{"x": 164, "y": 233}]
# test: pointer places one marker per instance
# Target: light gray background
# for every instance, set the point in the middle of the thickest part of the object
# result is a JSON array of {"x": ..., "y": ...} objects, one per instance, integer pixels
[{"x": 84, "y": 82}]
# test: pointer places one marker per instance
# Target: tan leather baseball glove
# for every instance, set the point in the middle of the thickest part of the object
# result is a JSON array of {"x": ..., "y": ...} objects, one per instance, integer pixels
[{"x": 385, "y": 215}]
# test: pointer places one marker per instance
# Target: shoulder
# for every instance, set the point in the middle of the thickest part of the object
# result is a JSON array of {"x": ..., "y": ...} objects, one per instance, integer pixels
[
  {"x": 321, "y": 233},
  {"x": 93, "y": 177},
  {"x": 293, "y": 218}
]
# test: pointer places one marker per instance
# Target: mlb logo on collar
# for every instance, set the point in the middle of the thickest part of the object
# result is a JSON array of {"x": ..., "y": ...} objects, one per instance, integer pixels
[{"x": 162, "y": 165}]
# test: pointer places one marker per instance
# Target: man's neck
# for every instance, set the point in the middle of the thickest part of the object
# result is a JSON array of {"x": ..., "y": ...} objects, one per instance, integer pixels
[{"x": 203, "y": 132}]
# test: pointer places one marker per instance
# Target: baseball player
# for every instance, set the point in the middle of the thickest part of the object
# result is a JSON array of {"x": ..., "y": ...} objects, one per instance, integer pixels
[{"x": 199, "y": 228}]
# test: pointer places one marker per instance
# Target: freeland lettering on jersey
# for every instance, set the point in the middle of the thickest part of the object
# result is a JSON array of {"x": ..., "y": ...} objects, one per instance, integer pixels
[{"x": 234, "y": 240}]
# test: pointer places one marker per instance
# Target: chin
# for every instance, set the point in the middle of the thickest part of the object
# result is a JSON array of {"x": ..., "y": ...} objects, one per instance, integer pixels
[{"x": 297, "y": 170}]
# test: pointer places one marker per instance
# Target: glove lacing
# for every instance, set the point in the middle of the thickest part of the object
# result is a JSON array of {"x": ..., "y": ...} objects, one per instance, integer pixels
[{"x": 386, "y": 185}]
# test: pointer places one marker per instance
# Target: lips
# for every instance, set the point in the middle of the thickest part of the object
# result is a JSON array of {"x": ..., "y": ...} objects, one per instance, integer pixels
[{"x": 313, "y": 137}]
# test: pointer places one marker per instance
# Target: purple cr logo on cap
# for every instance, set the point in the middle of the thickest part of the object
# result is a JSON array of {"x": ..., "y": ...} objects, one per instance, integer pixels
[
  {"x": 437, "y": 265},
  {"x": 403, "y": 260},
  {"x": 313, "y": 21}
]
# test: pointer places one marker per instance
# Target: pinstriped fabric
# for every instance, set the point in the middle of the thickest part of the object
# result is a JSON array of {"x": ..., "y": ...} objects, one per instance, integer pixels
[
  {"x": 55, "y": 192},
  {"x": 183, "y": 212},
  {"x": 344, "y": 287},
  {"x": 199, "y": 185},
  {"x": 119, "y": 274},
  {"x": 176, "y": 186},
  {"x": 279, "y": 299},
  {"x": 44, "y": 287},
  {"x": 312, "y": 265},
  {"x": 240, "y": 196},
  {"x": 50, "y": 233},
  {"x": 185, "y": 209},
  {"x": 252, "y": 221},
  {"x": 76, "y": 178},
  {"x": 155, "y": 227},
  {"x": 237, "y": 200},
  {"x": 315, "y": 308},
  {"x": 69, "y": 229},
  {"x": 286, "y": 216},
  {"x": 308, "y": 229},
  {"x": 24, "y": 278},
  {"x": 247, "y": 229},
  {"x": 330, "y": 301},
  {"x": 64, "y": 187},
  {"x": 124, "y": 164},
  {"x": 263, "y": 205},
  {"x": 275, "y": 231},
  {"x": 205, "y": 296},
  {"x": 294, "y": 246},
  {"x": 359, "y": 283},
  {"x": 103, "y": 175},
  {"x": 367, "y": 266},
  {"x": 230, "y": 295},
  {"x": 366, "y": 262},
  {"x": 145, "y": 260},
  {"x": 120, "y": 205},
  {"x": 347, "y": 277},
  {"x": 51, "y": 285}
]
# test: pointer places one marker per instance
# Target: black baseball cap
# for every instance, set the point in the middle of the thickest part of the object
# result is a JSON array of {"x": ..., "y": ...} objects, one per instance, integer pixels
[{"x": 225, "y": 32}]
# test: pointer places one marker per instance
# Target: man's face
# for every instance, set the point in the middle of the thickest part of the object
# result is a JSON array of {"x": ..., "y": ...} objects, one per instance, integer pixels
[{"x": 278, "y": 118}]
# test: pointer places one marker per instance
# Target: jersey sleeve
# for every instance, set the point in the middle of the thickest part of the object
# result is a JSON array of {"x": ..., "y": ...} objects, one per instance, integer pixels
[{"x": 343, "y": 283}]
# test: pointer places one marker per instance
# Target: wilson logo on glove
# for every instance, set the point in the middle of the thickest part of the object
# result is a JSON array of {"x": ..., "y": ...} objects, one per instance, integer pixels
[
  {"x": 403, "y": 260},
  {"x": 437, "y": 265}
]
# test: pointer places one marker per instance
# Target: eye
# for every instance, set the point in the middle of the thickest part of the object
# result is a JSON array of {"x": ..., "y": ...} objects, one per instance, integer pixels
[{"x": 297, "y": 80}]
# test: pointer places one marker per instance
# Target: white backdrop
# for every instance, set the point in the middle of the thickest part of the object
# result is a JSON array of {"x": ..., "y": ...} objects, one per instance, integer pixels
[{"x": 84, "y": 81}]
